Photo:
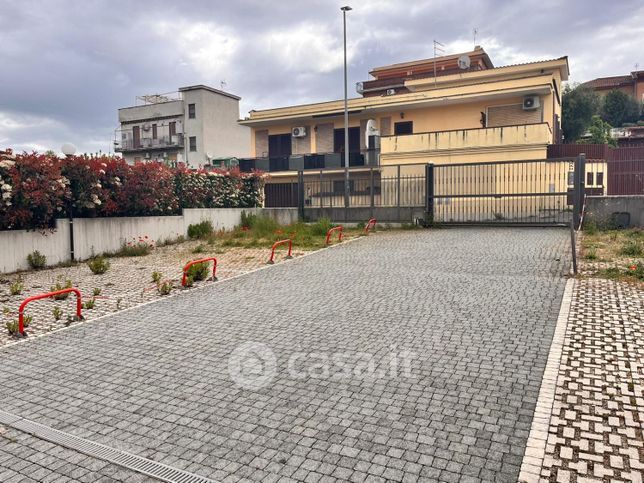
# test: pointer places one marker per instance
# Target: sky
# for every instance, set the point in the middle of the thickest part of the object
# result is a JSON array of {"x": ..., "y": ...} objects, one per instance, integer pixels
[{"x": 67, "y": 66}]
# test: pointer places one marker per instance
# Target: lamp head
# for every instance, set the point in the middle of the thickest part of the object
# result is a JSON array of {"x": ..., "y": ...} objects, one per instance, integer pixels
[{"x": 346, "y": 8}]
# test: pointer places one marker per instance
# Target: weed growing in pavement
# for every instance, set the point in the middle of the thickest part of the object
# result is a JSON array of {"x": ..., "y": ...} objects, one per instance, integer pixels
[
  {"x": 16, "y": 287},
  {"x": 98, "y": 265},
  {"x": 36, "y": 260}
]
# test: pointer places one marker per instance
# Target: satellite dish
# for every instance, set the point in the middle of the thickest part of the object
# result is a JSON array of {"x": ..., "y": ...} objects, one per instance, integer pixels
[
  {"x": 371, "y": 130},
  {"x": 68, "y": 149},
  {"x": 463, "y": 62}
]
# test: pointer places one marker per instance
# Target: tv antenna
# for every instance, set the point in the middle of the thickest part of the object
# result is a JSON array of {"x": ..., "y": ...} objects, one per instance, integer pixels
[
  {"x": 222, "y": 84},
  {"x": 475, "y": 32},
  {"x": 438, "y": 49}
]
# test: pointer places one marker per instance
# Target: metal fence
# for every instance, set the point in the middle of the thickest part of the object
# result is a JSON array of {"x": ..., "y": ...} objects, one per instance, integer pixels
[
  {"x": 387, "y": 186},
  {"x": 516, "y": 192}
]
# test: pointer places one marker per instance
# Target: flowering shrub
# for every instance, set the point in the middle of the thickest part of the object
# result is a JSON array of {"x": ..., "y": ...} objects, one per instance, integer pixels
[
  {"x": 37, "y": 188},
  {"x": 33, "y": 191}
]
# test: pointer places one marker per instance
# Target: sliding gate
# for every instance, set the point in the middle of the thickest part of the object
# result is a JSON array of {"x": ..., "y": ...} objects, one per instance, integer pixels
[{"x": 534, "y": 192}]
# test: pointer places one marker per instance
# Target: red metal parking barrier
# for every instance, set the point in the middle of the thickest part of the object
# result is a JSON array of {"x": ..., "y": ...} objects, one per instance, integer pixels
[
  {"x": 189, "y": 264},
  {"x": 278, "y": 243},
  {"x": 339, "y": 229},
  {"x": 371, "y": 223},
  {"x": 21, "y": 310}
]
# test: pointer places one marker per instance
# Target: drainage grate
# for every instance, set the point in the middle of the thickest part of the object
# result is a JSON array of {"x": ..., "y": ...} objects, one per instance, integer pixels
[{"x": 90, "y": 448}]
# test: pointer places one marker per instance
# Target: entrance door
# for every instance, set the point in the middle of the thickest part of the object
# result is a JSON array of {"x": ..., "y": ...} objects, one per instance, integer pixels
[
  {"x": 279, "y": 150},
  {"x": 136, "y": 137}
]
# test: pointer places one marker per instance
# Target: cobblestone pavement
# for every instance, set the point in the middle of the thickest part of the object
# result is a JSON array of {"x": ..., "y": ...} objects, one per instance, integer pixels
[
  {"x": 474, "y": 311},
  {"x": 126, "y": 284},
  {"x": 598, "y": 413},
  {"x": 22, "y": 454}
]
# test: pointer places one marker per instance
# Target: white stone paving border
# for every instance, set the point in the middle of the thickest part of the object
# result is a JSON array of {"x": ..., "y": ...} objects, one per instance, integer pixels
[{"x": 535, "y": 450}]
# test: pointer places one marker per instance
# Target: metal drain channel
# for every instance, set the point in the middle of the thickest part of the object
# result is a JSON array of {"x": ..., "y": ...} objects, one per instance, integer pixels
[{"x": 96, "y": 450}]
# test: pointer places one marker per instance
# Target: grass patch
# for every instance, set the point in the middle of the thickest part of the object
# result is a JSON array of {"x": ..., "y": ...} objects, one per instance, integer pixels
[
  {"x": 631, "y": 248},
  {"x": 262, "y": 231}
]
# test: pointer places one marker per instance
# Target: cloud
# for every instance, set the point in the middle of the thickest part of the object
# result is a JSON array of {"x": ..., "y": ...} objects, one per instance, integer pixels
[{"x": 68, "y": 65}]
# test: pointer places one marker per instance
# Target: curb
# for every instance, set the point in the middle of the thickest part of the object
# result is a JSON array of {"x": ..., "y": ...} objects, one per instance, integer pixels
[{"x": 535, "y": 450}]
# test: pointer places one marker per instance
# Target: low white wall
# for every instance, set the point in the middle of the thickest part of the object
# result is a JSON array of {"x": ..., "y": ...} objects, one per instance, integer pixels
[
  {"x": 93, "y": 236},
  {"x": 15, "y": 245}
]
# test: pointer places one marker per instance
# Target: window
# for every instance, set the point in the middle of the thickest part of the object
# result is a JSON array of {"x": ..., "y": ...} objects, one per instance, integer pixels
[
  {"x": 193, "y": 143},
  {"x": 354, "y": 140},
  {"x": 590, "y": 177},
  {"x": 154, "y": 131},
  {"x": 403, "y": 128},
  {"x": 600, "y": 179},
  {"x": 192, "y": 113}
]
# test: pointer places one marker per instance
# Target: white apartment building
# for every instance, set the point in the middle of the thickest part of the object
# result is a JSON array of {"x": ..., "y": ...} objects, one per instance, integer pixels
[{"x": 195, "y": 125}]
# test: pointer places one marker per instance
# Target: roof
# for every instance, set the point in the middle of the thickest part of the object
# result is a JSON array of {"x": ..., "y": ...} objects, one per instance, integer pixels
[
  {"x": 565, "y": 57},
  {"x": 609, "y": 82},
  {"x": 477, "y": 52},
  {"x": 210, "y": 89}
]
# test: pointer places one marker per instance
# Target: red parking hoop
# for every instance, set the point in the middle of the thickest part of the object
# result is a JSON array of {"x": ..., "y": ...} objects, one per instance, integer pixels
[
  {"x": 189, "y": 264},
  {"x": 339, "y": 229},
  {"x": 371, "y": 223},
  {"x": 21, "y": 310},
  {"x": 278, "y": 243}
]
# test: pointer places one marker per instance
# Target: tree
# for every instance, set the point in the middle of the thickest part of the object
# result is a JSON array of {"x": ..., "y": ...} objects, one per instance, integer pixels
[
  {"x": 579, "y": 105},
  {"x": 618, "y": 108},
  {"x": 600, "y": 133}
]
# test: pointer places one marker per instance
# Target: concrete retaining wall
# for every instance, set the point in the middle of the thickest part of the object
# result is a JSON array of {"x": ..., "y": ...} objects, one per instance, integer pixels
[
  {"x": 93, "y": 236},
  {"x": 603, "y": 209}
]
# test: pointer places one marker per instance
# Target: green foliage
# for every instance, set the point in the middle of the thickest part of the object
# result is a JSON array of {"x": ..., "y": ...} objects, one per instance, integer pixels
[
  {"x": 13, "y": 326},
  {"x": 261, "y": 226},
  {"x": 599, "y": 133},
  {"x": 16, "y": 287},
  {"x": 96, "y": 292},
  {"x": 579, "y": 105},
  {"x": 89, "y": 304},
  {"x": 98, "y": 265},
  {"x": 57, "y": 313},
  {"x": 618, "y": 108},
  {"x": 590, "y": 227},
  {"x": 60, "y": 286},
  {"x": 198, "y": 271},
  {"x": 199, "y": 249},
  {"x": 134, "y": 249},
  {"x": 200, "y": 230},
  {"x": 321, "y": 227},
  {"x": 36, "y": 260},
  {"x": 189, "y": 281},
  {"x": 632, "y": 248},
  {"x": 590, "y": 255},
  {"x": 156, "y": 276},
  {"x": 637, "y": 271},
  {"x": 165, "y": 287}
]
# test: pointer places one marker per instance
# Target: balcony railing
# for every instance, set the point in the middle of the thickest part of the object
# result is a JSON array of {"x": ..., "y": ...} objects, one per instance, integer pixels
[
  {"x": 161, "y": 142},
  {"x": 300, "y": 162}
]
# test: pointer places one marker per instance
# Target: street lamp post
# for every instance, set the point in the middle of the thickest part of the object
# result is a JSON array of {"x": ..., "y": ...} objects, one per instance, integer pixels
[{"x": 345, "y": 9}]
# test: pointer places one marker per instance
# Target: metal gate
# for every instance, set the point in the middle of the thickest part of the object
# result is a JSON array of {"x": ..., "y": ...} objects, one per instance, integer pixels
[{"x": 532, "y": 192}]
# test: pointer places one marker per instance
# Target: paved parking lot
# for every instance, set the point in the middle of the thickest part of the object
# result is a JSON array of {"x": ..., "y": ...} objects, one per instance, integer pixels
[{"x": 407, "y": 356}]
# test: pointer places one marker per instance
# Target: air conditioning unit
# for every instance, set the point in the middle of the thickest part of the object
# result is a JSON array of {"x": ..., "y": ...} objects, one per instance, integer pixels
[
  {"x": 298, "y": 132},
  {"x": 530, "y": 103},
  {"x": 390, "y": 92},
  {"x": 359, "y": 87}
]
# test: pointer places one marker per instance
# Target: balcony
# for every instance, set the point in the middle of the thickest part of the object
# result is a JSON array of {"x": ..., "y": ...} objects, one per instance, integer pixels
[
  {"x": 128, "y": 144},
  {"x": 303, "y": 162}
]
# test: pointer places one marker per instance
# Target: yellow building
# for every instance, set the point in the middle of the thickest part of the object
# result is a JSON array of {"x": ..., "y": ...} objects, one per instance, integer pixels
[
  {"x": 478, "y": 113},
  {"x": 452, "y": 109}
]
